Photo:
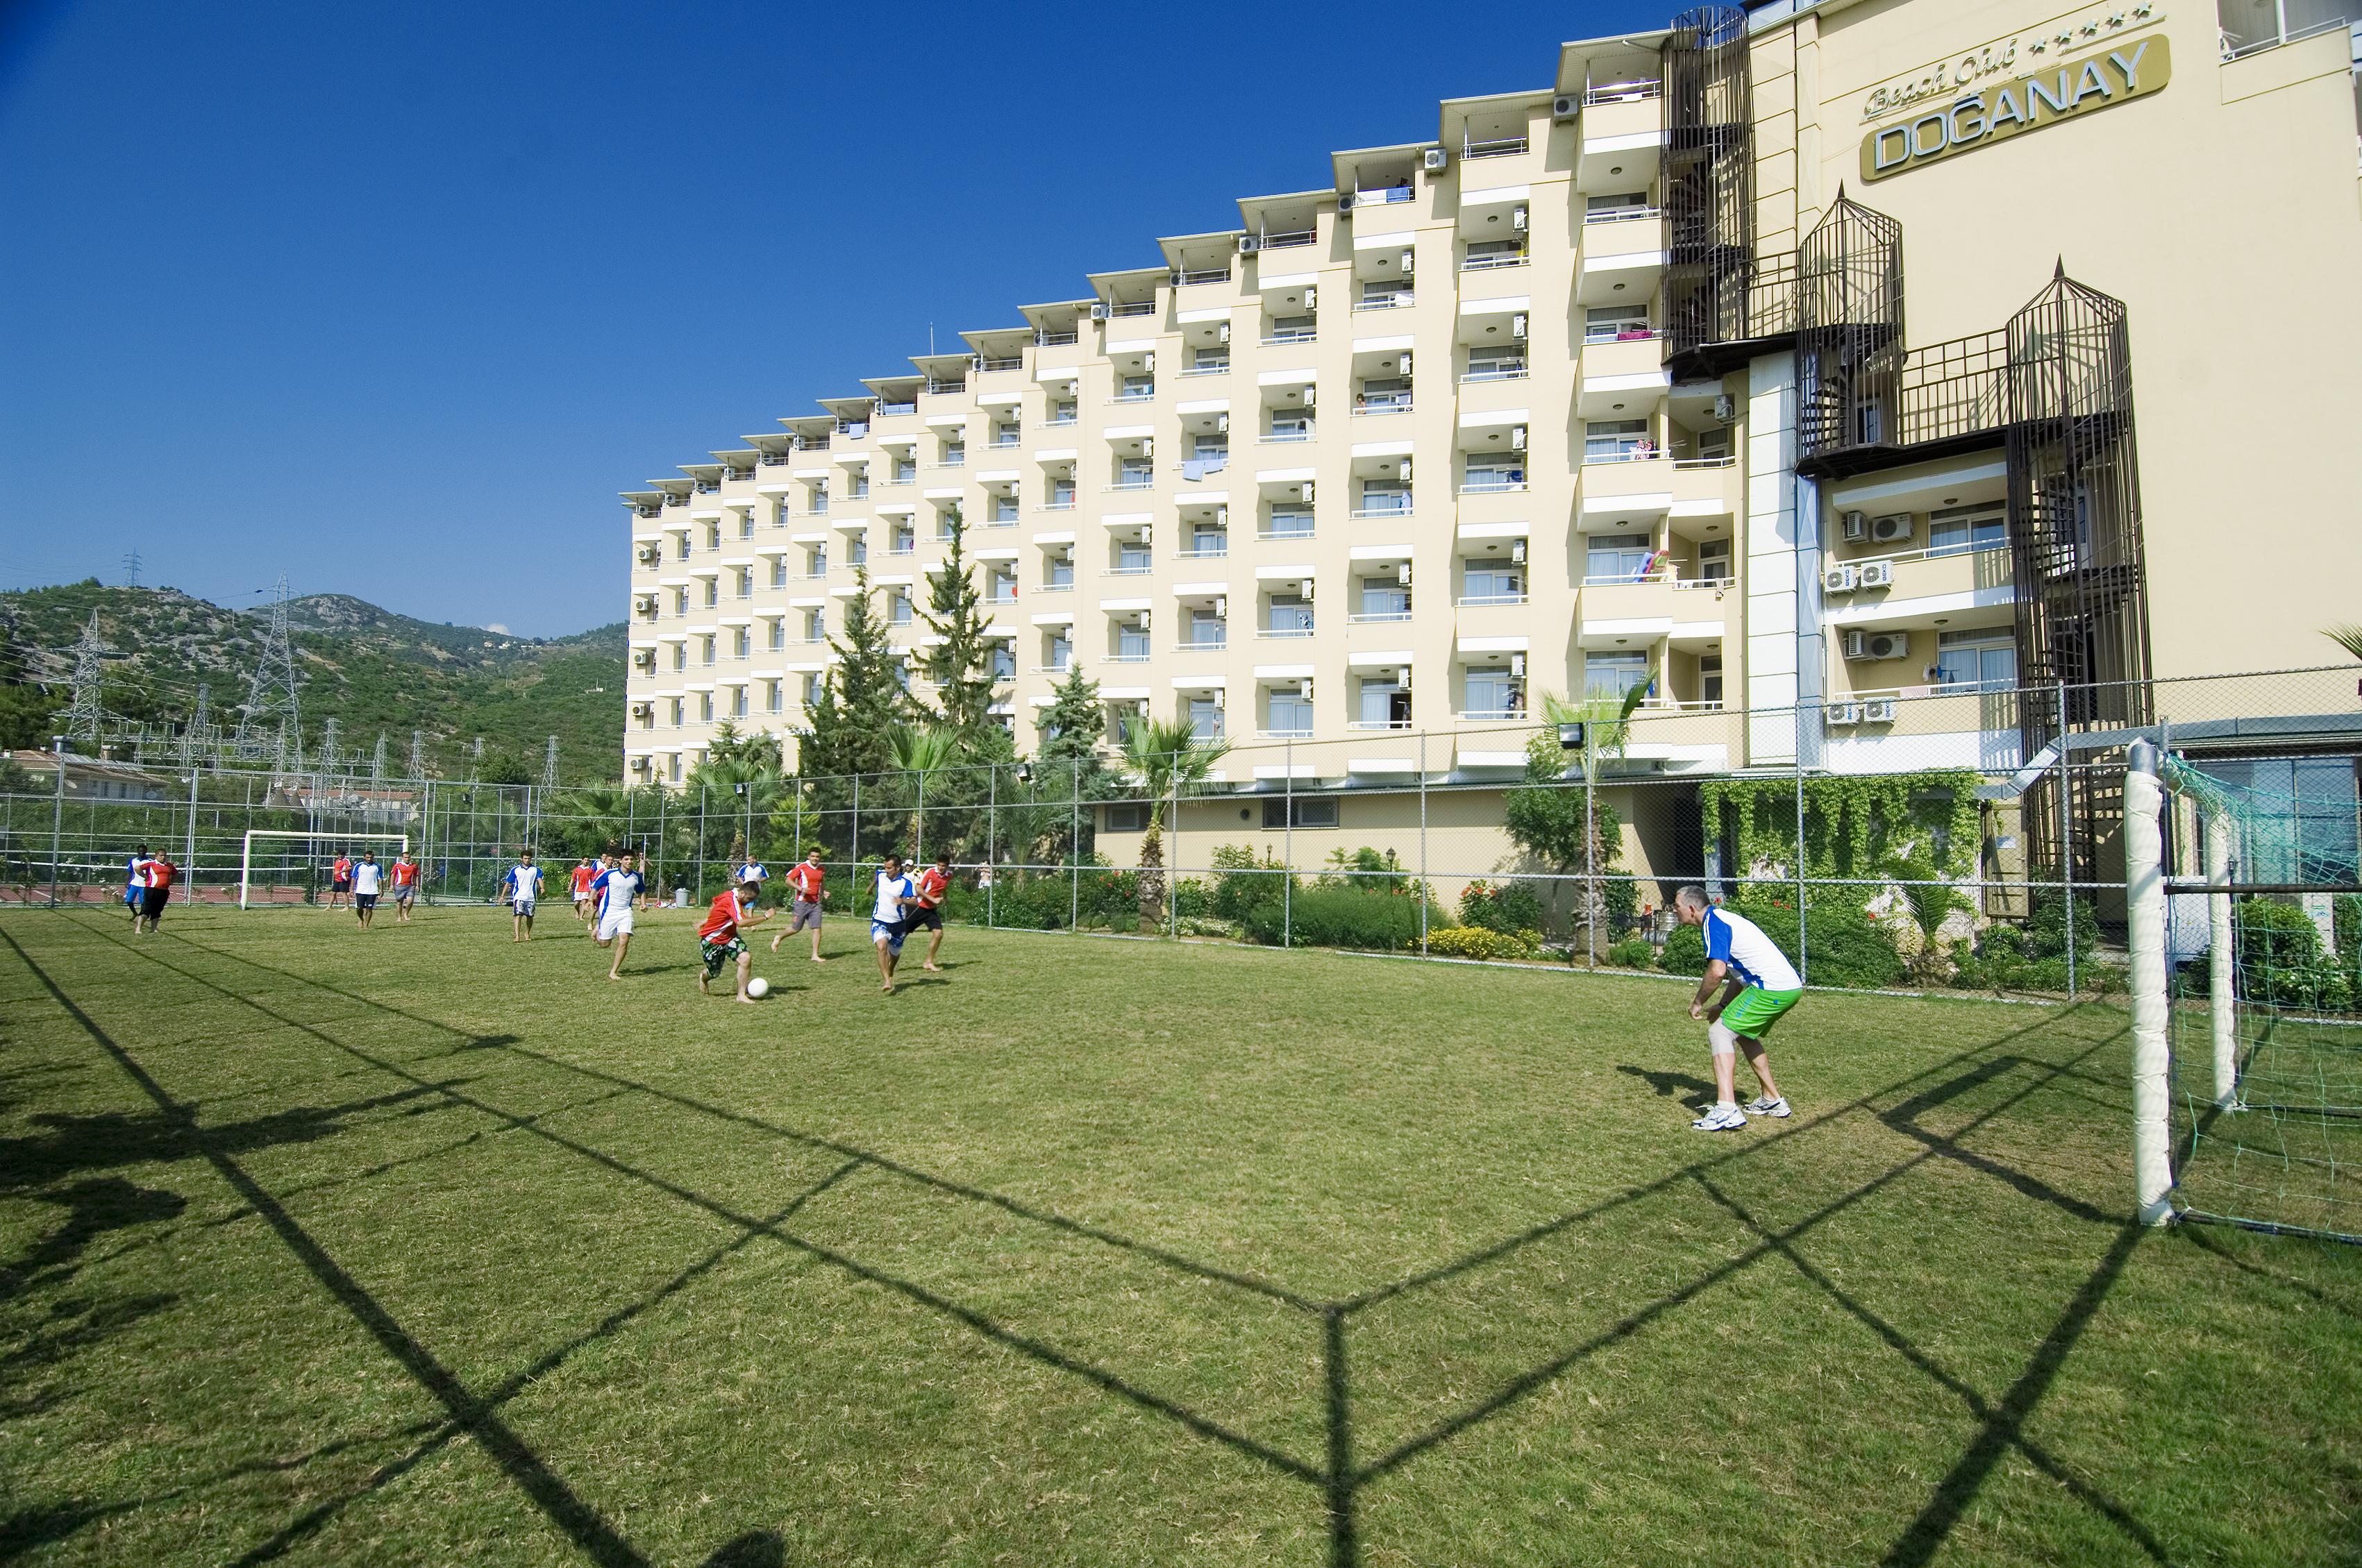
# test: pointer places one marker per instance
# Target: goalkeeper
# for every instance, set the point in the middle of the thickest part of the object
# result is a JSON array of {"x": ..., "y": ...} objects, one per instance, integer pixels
[{"x": 1758, "y": 985}]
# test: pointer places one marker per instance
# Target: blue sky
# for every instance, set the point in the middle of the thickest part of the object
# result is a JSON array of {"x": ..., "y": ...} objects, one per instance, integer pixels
[{"x": 395, "y": 299}]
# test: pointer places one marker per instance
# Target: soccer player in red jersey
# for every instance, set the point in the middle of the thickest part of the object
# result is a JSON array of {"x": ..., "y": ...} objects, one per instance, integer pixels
[
  {"x": 405, "y": 886},
  {"x": 718, "y": 939},
  {"x": 585, "y": 873},
  {"x": 805, "y": 879},
  {"x": 935, "y": 883}
]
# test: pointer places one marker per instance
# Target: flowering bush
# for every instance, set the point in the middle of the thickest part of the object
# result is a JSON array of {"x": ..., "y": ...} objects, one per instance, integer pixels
[{"x": 1476, "y": 942}]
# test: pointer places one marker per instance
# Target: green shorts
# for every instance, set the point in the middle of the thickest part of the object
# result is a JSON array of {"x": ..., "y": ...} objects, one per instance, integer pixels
[
  {"x": 1753, "y": 1011},
  {"x": 717, "y": 952}
]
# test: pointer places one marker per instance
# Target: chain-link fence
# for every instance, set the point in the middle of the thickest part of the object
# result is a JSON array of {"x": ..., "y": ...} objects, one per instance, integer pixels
[{"x": 1898, "y": 839}]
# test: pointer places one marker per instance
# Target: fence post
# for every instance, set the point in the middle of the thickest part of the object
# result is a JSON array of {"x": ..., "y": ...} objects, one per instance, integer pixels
[
  {"x": 991, "y": 823},
  {"x": 1591, "y": 908},
  {"x": 1288, "y": 848},
  {"x": 189, "y": 882},
  {"x": 919, "y": 848},
  {"x": 2066, "y": 835},
  {"x": 1075, "y": 846},
  {"x": 2220, "y": 963},
  {"x": 1804, "y": 959},
  {"x": 58, "y": 821},
  {"x": 852, "y": 842},
  {"x": 1423, "y": 844},
  {"x": 2152, "y": 1060}
]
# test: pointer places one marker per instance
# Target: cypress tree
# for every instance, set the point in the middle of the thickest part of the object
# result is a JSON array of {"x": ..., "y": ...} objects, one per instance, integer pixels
[
  {"x": 960, "y": 663},
  {"x": 860, "y": 700}
]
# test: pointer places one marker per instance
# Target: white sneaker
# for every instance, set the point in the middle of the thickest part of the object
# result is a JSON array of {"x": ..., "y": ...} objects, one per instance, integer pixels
[
  {"x": 1767, "y": 1105},
  {"x": 1720, "y": 1119}
]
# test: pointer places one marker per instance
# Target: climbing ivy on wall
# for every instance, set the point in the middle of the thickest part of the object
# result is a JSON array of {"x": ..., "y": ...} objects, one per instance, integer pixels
[{"x": 1853, "y": 823}]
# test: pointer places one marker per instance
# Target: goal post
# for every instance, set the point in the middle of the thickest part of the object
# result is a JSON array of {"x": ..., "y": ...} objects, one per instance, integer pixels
[
  {"x": 2145, "y": 927},
  {"x": 246, "y": 847}
]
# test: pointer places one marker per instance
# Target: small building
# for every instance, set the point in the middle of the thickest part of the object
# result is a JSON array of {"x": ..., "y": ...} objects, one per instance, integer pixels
[{"x": 93, "y": 778}]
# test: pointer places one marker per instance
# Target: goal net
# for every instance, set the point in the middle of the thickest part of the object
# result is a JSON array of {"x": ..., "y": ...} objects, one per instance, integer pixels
[
  {"x": 2263, "y": 933},
  {"x": 307, "y": 853}
]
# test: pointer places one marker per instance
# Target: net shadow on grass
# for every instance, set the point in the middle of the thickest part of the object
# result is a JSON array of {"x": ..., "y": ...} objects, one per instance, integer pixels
[{"x": 1338, "y": 1478}]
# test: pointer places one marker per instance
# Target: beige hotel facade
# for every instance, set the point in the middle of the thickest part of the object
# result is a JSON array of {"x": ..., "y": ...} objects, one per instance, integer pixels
[{"x": 1845, "y": 362}]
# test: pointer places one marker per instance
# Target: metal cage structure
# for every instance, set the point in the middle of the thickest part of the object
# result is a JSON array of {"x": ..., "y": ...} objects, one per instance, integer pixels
[
  {"x": 1850, "y": 353},
  {"x": 1709, "y": 173}
]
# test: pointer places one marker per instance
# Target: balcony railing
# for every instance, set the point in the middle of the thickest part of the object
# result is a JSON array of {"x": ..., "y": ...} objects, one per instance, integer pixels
[
  {"x": 1624, "y": 91},
  {"x": 1133, "y": 482},
  {"x": 938, "y": 387},
  {"x": 1384, "y": 196},
  {"x": 1132, "y": 308},
  {"x": 1292, "y": 335},
  {"x": 1281, "y": 435},
  {"x": 1282, "y": 633},
  {"x": 1005, "y": 362},
  {"x": 1398, "y": 300},
  {"x": 1290, "y": 240},
  {"x": 1495, "y": 373},
  {"x": 909, "y": 408},
  {"x": 1305, "y": 734},
  {"x": 1621, "y": 334},
  {"x": 1378, "y": 724},
  {"x": 1203, "y": 553},
  {"x": 1475, "y": 715},
  {"x": 1471, "y": 601},
  {"x": 1208, "y": 367},
  {"x": 1384, "y": 403},
  {"x": 1499, "y": 147},
  {"x": 1063, "y": 421},
  {"x": 1126, "y": 571},
  {"x": 1402, "y": 509},
  {"x": 1489, "y": 262},
  {"x": 1191, "y": 276},
  {"x": 1620, "y": 215},
  {"x": 1144, "y": 395},
  {"x": 1129, "y": 658},
  {"x": 1056, "y": 339},
  {"x": 1202, "y": 645},
  {"x": 1276, "y": 536},
  {"x": 1370, "y": 616},
  {"x": 1480, "y": 484}
]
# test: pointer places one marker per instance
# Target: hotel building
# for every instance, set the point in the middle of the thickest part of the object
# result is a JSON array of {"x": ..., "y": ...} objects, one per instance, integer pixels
[{"x": 1832, "y": 367}]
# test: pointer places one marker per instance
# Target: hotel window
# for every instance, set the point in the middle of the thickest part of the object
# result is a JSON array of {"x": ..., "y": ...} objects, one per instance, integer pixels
[
  {"x": 816, "y": 625},
  {"x": 1608, "y": 324},
  {"x": 705, "y": 707},
  {"x": 683, "y": 538},
  {"x": 778, "y": 638},
  {"x": 1004, "y": 661},
  {"x": 747, "y": 523},
  {"x": 713, "y": 536},
  {"x": 856, "y": 549},
  {"x": 820, "y": 498},
  {"x": 1387, "y": 598},
  {"x": 1292, "y": 520},
  {"x": 1132, "y": 642},
  {"x": 1128, "y": 817},
  {"x": 898, "y": 608},
  {"x": 1713, "y": 562},
  {"x": 1492, "y": 693},
  {"x": 1059, "y": 648},
  {"x": 1207, "y": 630},
  {"x": 1131, "y": 556},
  {"x": 1614, "y": 674},
  {"x": 1058, "y": 571},
  {"x": 1291, "y": 616},
  {"x": 745, "y": 582},
  {"x": 680, "y": 655},
  {"x": 1616, "y": 440},
  {"x": 1386, "y": 497},
  {"x": 1288, "y": 713},
  {"x": 1137, "y": 387},
  {"x": 737, "y": 702},
  {"x": 1494, "y": 584},
  {"x": 811, "y": 689},
  {"x": 775, "y": 696},
  {"x": 1000, "y": 585},
  {"x": 675, "y": 768},
  {"x": 676, "y": 713},
  {"x": 681, "y": 601},
  {"x": 1004, "y": 508},
  {"x": 819, "y": 560},
  {"x": 1612, "y": 208},
  {"x": 738, "y": 641},
  {"x": 905, "y": 468},
  {"x": 778, "y": 571},
  {"x": 860, "y": 487},
  {"x": 1299, "y": 811},
  {"x": 705, "y": 649},
  {"x": 1984, "y": 658},
  {"x": 1206, "y": 715},
  {"x": 1385, "y": 704},
  {"x": 1617, "y": 558},
  {"x": 1710, "y": 679},
  {"x": 1962, "y": 530}
]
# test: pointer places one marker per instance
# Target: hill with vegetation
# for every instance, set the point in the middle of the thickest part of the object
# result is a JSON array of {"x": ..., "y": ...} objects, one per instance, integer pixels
[{"x": 373, "y": 670}]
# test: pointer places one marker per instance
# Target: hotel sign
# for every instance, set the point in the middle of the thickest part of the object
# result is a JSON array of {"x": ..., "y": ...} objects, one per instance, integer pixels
[{"x": 2031, "y": 101}]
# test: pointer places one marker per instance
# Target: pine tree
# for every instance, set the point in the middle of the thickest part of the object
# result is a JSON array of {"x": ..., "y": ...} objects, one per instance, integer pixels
[
  {"x": 960, "y": 663},
  {"x": 1071, "y": 728},
  {"x": 861, "y": 701}
]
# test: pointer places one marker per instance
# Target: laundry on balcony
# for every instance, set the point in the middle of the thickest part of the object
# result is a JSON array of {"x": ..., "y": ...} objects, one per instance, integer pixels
[{"x": 1196, "y": 469}]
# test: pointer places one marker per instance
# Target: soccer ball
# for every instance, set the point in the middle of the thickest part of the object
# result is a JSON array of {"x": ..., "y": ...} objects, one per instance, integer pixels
[{"x": 759, "y": 986}]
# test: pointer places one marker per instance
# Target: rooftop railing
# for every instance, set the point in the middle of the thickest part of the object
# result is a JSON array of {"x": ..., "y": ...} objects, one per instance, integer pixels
[{"x": 1498, "y": 147}]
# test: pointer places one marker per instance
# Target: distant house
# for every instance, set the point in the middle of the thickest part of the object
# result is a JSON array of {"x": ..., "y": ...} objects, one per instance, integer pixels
[{"x": 93, "y": 778}]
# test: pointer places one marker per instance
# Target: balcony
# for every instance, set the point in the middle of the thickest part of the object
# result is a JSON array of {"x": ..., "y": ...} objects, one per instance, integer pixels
[
  {"x": 1144, "y": 395},
  {"x": 1385, "y": 196},
  {"x": 1140, "y": 571},
  {"x": 909, "y": 408},
  {"x": 1493, "y": 481},
  {"x": 1383, "y": 510},
  {"x": 1196, "y": 276},
  {"x": 1286, "y": 434},
  {"x": 1203, "y": 553},
  {"x": 1924, "y": 586},
  {"x": 1632, "y": 612},
  {"x": 1202, "y": 645},
  {"x": 1480, "y": 601},
  {"x": 1634, "y": 215},
  {"x": 1006, "y": 362},
  {"x": 1494, "y": 370},
  {"x": 1046, "y": 339},
  {"x": 1132, "y": 308},
  {"x": 1381, "y": 403},
  {"x": 1290, "y": 240},
  {"x": 1208, "y": 367},
  {"x": 1126, "y": 482},
  {"x": 1388, "y": 299},
  {"x": 1282, "y": 633},
  {"x": 1292, "y": 335},
  {"x": 1481, "y": 258},
  {"x": 1376, "y": 617}
]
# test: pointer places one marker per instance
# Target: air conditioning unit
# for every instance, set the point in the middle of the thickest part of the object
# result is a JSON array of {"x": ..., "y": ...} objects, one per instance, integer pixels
[
  {"x": 1148, "y": 362},
  {"x": 1434, "y": 160},
  {"x": 1221, "y": 517},
  {"x": 647, "y": 659},
  {"x": 1889, "y": 645},
  {"x": 1147, "y": 533},
  {"x": 1405, "y": 364},
  {"x": 1878, "y": 710},
  {"x": 1222, "y": 697},
  {"x": 1307, "y": 490},
  {"x": 1840, "y": 714},
  {"x": 1726, "y": 408},
  {"x": 1311, "y": 298},
  {"x": 1309, "y": 398},
  {"x": 1518, "y": 218},
  {"x": 1221, "y": 424},
  {"x": 1855, "y": 526},
  {"x": 1221, "y": 607},
  {"x": 1406, "y": 470},
  {"x": 651, "y": 555},
  {"x": 1840, "y": 579},
  {"x": 1306, "y": 595},
  {"x": 1517, "y": 326},
  {"x": 1402, "y": 574},
  {"x": 1895, "y": 529},
  {"x": 1223, "y": 333},
  {"x": 1855, "y": 645},
  {"x": 1144, "y": 620},
  {"x": 1407, "y": 257},
  {"x": 1402, "y": 676},
  {"x": 1878, "y": 574},
  {"x": 1148, "y": 446},
  {"x": 644, "y": 710},
  {"x": 1303, "y": 689},
  {"x": 1345, "y": 203},
  {"x": 1517, "y": 438},
  {"x": 1517, "y": 552},
  {"x": 1516, "y": 663},
  {"x": 1098, "y": 310},
  {"x": 1565, "y": 107},
  {"x": 975, "y": 364},
  {"x": 1249, "y": 245}
]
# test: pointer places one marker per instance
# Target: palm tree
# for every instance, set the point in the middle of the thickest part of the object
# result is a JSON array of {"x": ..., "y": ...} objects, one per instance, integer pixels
[
  {"x": 2346, "y": 636},
  {"x": 921, "y": 749},
  {"x": 1166, "y": 757}
]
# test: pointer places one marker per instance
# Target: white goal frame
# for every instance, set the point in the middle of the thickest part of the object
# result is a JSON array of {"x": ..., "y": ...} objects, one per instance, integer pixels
[{"x": 245, "y": 849}]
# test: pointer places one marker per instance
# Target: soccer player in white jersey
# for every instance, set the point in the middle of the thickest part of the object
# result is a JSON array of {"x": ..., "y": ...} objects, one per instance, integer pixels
[
  {"x": 889, "y": 922},
  {"x": 522, "y": 886},
  {"x": 617, "y": 888},
  {"x": 1758, "y": 985},
  {"x": 369, "y": 880}
]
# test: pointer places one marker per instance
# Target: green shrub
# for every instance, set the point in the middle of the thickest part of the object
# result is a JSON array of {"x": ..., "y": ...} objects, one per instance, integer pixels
[
  {"x": 1340, "y": 917},
  {"x": 1684, "y": 951},
  {"x": 2280, "y": 962},
  {"x": 1476, "y": 942},
  {"x": 1501, "y": 906},
  {"x": 1371, "y": 870},
  {"x": 1633, "y": 952},
  {"x": 1192, "y": 899},
  {"x": 1240, "y": 881}
]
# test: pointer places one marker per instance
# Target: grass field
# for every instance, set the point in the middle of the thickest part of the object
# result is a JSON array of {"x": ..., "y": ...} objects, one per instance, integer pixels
[{"x": 422, "y": 1248}]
